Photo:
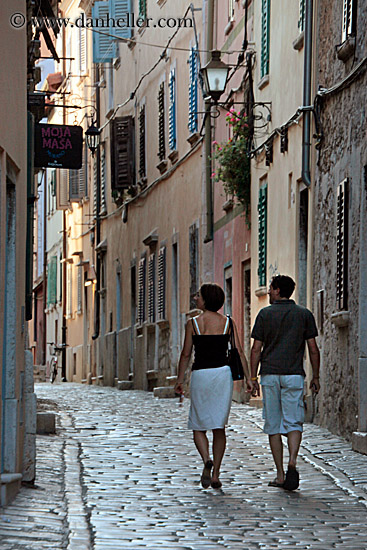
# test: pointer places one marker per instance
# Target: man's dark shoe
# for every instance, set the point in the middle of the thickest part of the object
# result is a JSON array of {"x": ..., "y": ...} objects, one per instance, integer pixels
[{"x": 291, "y": 482}]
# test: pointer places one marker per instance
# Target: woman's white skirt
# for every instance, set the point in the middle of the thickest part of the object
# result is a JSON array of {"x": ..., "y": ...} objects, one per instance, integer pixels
[{"x": 211, "y": 398}]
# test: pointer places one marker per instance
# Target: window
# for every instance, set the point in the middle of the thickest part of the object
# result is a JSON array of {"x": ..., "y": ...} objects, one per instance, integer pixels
[
  {"x": 265, "y": 31},
  {"x": 69, "y": 282},
  {"x": 151, "y": 288},
  {"x": 162, "y": 283},
  {"x": 103, "y": 180},
  {"x": 52, "y": 281},
  {"x": 301, "y": 21},
  {"x": 105, "y": 48},
  {"x": 193, "y": 91},
  {"x": 142, "y": 156},
  {"x": 143, "y": 9},
  {"x": 230, "y": 10},
  {"x": 172, "y": 111},
  {"x": 82, "y": 50},
  {"x": 80, "y": 288},
  {"x": 122, "y": 153},
  {"x": 161, "y": 124},
  {"x": 342, "y": 246},
  {"x": 141, "y": 290},
  {"x": 262, "y": 214},
  {"x": 349, "y": 18}
]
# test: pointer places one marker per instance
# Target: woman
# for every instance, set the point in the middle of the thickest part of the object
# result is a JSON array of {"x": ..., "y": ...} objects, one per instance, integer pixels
[{"x": 211, "y": 378}]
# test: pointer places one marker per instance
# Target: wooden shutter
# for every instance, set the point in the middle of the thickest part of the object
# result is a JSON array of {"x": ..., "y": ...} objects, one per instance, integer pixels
[
  {"x": 80, "y": 288},
  {"x": 265, "y": 31},
  {"x": 141, "y": 290},
  {"x": 119, "y": 9},
  {"x": 69, "y": 282},
  {"x": 342, "y": 246},
  {"x": 193, "y": 91},
  {"x": 95, "y": 188},
  {"x": 143, "y": 9},
  {"x": 263, "y": 214},
  {"x": 74, "y": 186},
  {"x": 142, "y": 154},
  {"x": 161, "y": 124},
  {"x": 301, "y": 21},
  {"x": 172, "y": 111},
  {"x": 123, "y": 153},
  {"x": 194, "y": 261},
  {"x": 82, "y": 50},
  {"x": 151, "y": 288},
  {"x": 103, "y": 181},
  {"x": 52, "y": 281},
  {"x": 161, "y": 306},
  {"x": 62, "y": 191},
  {"x": 103, "y": 48}
]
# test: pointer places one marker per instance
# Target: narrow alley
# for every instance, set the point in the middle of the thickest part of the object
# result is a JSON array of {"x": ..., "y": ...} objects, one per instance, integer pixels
[{"x": 122, "y": 472}]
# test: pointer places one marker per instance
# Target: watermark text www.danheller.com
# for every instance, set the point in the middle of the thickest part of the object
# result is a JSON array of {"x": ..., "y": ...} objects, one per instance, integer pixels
[{"x": 129, "y": 21}]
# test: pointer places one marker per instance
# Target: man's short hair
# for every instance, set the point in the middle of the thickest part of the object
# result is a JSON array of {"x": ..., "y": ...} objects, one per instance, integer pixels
[
  {"x": 213, "y": 296},
  {"x": 285, "y": 284}
]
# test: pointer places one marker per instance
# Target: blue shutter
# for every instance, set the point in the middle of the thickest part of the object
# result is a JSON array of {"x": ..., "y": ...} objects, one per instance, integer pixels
[
  {"x": 265, "y": 31},
  {"x": 172, "y": 111},
  {"x": 193, "y": 91},
  {"x": 102, "y": 44},
  {"x": 119, "y": 9},
  {"x": 263, "y": 214}
]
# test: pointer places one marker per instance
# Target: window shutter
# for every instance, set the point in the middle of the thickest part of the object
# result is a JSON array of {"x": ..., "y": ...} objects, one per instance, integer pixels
[
  {"x": 162, "y": 283},
  {"x": 143, "y": 9},
  {"x": 80, "y": 289},
  {"x": 102, "y": 44},
  {"x": 342, "y": 246},
  {"x": 263, "y": 214},
  {"x": 161, "y": 124},
  {"x": 123, "y": 153},
  {"x": 141, "y": 290},
  {"x": 69, "y": 304},
  {"x": 119, "y": 9},
  {"x": 82, "y": 180},
  {"x": 83, "y": 50},
  {"x": 53, "y": 183},
  {"x": 95, "y": 188},
  {"x": 62, "y": 194},
  {"x": 172, "y": 111},
  {"x": 193, "y": 91},
  {"x": 52, "y": 281},
  {"x": 265, "y": 31},
  {"x": 349, "y": 18},
  {"x": 301, "y": 21},
  {"x": 194, "y": 261},
  {"x": 103, "y": 181},
  {"x": 151, "y": 288},
  {"x": 74, "y": 185},
  {"x": 142, "y": 163}
]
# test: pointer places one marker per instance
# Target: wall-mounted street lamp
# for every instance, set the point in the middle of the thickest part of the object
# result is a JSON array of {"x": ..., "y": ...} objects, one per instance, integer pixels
[
  {"x": 92, "y": 136},
  {"x": 215, "y": 75}
]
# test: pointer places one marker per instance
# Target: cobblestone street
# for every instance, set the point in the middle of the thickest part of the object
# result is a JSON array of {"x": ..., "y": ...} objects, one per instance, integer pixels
[{"x": 122, "y": 472}]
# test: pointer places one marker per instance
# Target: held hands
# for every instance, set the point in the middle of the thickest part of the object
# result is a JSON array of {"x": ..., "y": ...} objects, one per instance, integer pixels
[
  {"x": 256, "y": 388},
  {"x": 249, "y": 386}
]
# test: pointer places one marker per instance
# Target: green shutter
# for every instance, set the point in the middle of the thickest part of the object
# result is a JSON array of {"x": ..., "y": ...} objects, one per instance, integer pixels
[
  {"x": 263, "y": 215},
  {"x": 143, "y": 9},
  {"x": 301, "y": 22},
  {"x": 265, "y": 32},
  {"x": 52, "y": 281}
]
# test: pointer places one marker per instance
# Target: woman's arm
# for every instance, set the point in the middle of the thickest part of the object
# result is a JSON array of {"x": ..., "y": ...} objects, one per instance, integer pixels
[
  {"x": 243, "y": 358},
  {"x": 184, "y": 357}
]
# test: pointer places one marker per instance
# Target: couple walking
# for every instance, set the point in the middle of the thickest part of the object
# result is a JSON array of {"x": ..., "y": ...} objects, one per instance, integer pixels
[{"x": 280, "y": 333}]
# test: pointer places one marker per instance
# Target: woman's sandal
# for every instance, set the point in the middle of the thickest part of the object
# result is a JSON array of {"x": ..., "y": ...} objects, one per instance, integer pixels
[
  {"x": 216, "y": 484},
  {"x": 205, "y": 476}
]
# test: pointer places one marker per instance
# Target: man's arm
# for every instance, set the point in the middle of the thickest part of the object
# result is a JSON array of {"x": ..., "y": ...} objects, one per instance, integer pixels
[
  {"x": 255, "y": 360},
  {"x": 314, "y": 354}
]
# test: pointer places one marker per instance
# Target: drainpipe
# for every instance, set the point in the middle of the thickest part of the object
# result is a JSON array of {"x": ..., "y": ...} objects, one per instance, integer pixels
[
  {"x": 208, "y": 131},
  {"x": 306, "y": 138}
]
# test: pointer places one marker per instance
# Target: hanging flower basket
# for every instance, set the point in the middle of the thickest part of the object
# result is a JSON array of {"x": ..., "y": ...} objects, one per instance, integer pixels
[{"x": 232, "y": 164}]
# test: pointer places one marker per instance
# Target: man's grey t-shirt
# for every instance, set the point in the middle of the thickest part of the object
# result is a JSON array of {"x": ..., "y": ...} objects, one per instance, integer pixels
[{"x": 283, "y": 327}]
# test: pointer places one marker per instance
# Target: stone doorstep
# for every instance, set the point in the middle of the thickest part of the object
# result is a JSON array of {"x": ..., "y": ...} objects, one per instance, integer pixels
[
  {"x": 9, "y": 487},
  {"x": 164, "y": 392},
  {"x": 359, "y": 442},
  {"x": 124, "y": 385},
  {"x": 46, "y": 423}
]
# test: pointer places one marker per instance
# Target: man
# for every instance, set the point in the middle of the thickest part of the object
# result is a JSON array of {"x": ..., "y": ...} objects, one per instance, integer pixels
[{"x": 279, "y": 334}]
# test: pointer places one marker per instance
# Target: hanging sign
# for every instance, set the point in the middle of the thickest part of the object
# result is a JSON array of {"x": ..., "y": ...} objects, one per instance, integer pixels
[{"x": 58, "y": 146}]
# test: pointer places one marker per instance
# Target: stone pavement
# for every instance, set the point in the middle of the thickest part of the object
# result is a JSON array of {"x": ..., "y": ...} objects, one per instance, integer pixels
[{"x": 122, "y": 472}]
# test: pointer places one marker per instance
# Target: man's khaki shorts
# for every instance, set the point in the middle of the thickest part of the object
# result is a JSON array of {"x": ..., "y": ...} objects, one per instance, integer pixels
[{"x": 283, "y": 409}]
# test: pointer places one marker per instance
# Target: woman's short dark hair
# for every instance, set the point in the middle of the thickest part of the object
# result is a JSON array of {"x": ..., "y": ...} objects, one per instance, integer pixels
[
  {"x": 285, "y": 284},
  {"x": 212, "y": 295}
]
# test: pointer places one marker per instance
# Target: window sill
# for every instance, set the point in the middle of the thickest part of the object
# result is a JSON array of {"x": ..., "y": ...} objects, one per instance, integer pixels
[
  {"x": 228, "y": 205},
  {"x": 261, "y": 291},
  {"x": 347, "y": 49},
  {"x": 162, "y": 166},
  {"x": 298, "y": 42},
  {"x": 229, "y": 27},
  {"x": 263, "y": 82},
  {"x": 193, "y": 138},
  {"x": 340, "y": 318},
  {"x": 173, "y": 156}
]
